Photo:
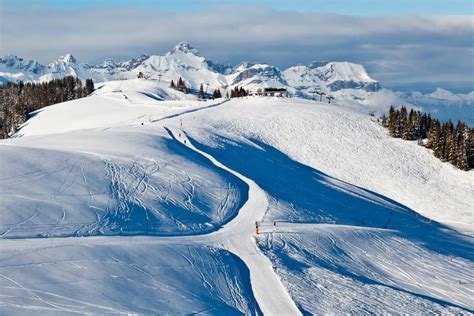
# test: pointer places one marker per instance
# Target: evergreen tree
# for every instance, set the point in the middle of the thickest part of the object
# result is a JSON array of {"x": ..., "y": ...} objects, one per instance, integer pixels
[
  {"x": 78, "y": 89},
  {"x": 181, "y": 86},
  {"x": 446, "y": 135},
  {"x": 216, "y": 94},
  {"x": 451, "y": 148},
  {"x": 89, "y": 86},
  {"x": 392, "y": 121},
  {"x": 172, "y": 85},
  {"x": 402, "y": 125},
  {"x": 69, "y": 85},
  {"x": 433, "y": 134},
  {"x": 423, "y": 126},
  {"x": 201, "y": 92},
  {"x": 469, "y": 140},
  {"x": 414, "y": 120},
  {"x": 408, "y": 132},
  {"x": 434, "y": 139},
  {"x": 464, "y": 147}
]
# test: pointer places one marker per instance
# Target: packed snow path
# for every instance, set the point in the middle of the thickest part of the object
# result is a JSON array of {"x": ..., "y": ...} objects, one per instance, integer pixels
[{"x": 236, "y": 236}]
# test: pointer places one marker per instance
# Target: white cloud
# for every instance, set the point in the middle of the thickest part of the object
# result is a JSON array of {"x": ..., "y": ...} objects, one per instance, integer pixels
[{"x": 394, "y": 49}]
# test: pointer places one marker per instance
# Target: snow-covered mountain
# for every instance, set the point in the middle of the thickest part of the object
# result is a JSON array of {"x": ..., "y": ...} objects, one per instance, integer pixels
[
  {"x": 255, "y": 75},
  {"x": 331, "y": 77},
  {"x": 443, "y": 104},
  {"x": 440, "y": 95},
  {"x": 182, "y": 61},
  {"x": 347, "y": 82},
  {"x": 13, "y": 68}
]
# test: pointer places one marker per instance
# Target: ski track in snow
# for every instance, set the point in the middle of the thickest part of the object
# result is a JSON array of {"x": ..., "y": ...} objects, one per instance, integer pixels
[
  {"x": 346, "y": 269},
  {"x": 238, "y": 237}
]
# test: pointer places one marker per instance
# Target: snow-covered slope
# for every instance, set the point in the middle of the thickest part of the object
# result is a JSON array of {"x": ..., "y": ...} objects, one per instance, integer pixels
[
  {"x": 333, "y": 269},
  {"x": 121, "y": 276},
  {"x": 114, "y": 103},
  {"x": 349, "y": 226},
  {"x": 347, "y": 82},
  {"x": 351, "y": 147},
  {"x": 351, "y": 220},
  {"x": 118, "y": 182}
]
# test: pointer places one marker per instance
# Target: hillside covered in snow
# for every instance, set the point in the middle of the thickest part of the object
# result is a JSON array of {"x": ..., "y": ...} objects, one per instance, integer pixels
[
  {"x": 144, "y": 188},
  {"x": 346, "y": 82}
]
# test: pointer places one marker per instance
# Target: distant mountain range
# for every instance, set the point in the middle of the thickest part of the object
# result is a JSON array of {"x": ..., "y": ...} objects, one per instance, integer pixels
[{"x": 347, "y": 82}]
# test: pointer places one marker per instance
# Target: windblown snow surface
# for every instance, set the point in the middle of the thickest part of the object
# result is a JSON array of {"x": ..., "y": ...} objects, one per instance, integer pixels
[
  {"x": 107, "y": 276},
  {"x": 352, "y": 221}
]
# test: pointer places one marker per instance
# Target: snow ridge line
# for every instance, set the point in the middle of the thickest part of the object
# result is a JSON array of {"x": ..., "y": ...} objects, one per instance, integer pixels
[{"x": 237, "y": 237}]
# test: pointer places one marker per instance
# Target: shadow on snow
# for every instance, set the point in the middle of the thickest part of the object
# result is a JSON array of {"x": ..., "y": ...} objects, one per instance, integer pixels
[{"x": 301, "y": 194}]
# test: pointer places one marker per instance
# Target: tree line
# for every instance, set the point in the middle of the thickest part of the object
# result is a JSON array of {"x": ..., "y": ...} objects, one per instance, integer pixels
[
  {"x": 217, "y": 94},
  {"x": 180, "y": 85},
  {"x": 454, "y": 144},
  {"x": 19, "y": 99},
  {"x": 238, "y": 92}
]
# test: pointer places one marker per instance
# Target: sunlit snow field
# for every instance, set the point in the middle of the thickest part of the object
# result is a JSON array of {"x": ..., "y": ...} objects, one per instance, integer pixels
[{"x": 356, "y": 222}]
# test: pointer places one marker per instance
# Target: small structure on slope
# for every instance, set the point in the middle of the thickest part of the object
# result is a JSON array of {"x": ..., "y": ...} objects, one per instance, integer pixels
[{"x": 273, "y": 92}]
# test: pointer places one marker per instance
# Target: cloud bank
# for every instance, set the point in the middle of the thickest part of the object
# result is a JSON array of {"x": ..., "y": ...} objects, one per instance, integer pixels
[{"x": 401, "y": 52}]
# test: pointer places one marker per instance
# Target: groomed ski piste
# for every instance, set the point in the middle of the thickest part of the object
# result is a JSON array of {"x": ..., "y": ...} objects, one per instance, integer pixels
[{"x": 140, "y": 199}]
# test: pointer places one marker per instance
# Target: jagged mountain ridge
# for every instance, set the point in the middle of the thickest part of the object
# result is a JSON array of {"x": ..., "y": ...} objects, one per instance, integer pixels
[
  {"x": 347, "y": 82},
  {"x": 185, "y": 61}
]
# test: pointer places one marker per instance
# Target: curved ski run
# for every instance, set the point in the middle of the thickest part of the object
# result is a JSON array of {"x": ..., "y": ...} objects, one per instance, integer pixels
[{"x": 237, "y": 237}]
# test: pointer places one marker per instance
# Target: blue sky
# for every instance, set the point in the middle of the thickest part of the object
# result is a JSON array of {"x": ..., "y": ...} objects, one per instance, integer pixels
[
  {"x": 347, "y": 7},
  {"x": 405, "y": 44}
]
